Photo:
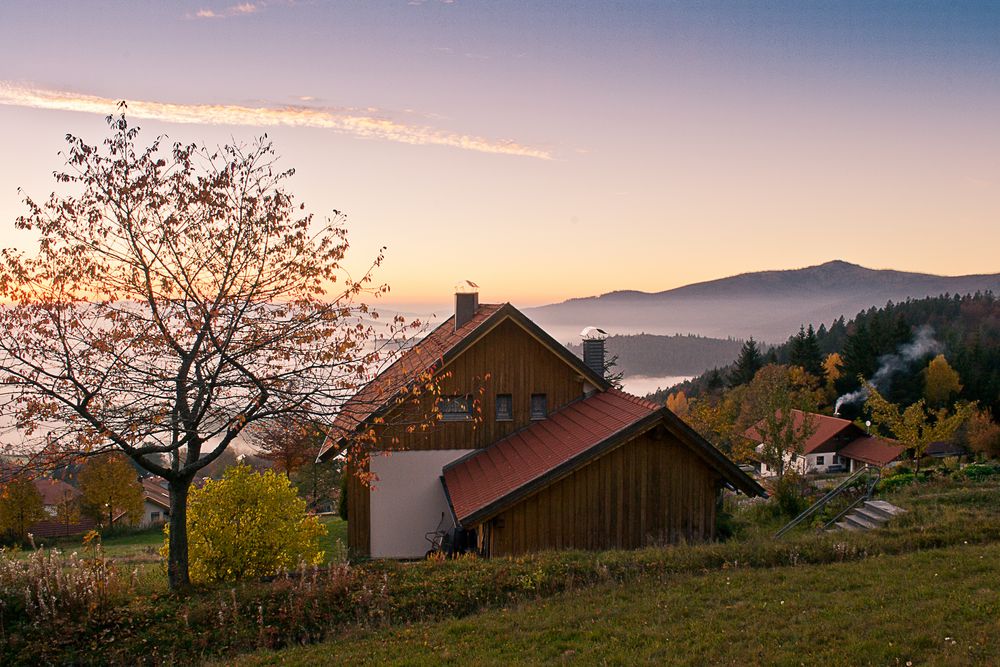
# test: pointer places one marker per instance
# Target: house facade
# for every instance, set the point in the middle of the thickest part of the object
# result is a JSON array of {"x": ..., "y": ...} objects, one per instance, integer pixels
[
  {"x": 533, "y": 450},
  {"x": 155, "y": 502}
]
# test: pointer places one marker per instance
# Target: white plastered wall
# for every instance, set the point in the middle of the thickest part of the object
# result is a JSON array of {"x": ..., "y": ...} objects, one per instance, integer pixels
[{"x": 407, "y": 501}]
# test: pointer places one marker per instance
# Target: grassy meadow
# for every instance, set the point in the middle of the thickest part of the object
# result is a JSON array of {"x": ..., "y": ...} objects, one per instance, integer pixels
[
  {"x": 935, "y": 607},
  {"x": 812, "y": 598}
]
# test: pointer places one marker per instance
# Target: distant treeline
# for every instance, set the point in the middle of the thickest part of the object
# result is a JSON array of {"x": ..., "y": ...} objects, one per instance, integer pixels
[
  {"x": 966, "y": 330},
  {"x": 653, "y": 355}
]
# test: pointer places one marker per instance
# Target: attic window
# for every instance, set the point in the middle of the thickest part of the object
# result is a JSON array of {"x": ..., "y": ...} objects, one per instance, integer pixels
[
  {"x": 455, "y": 408},
  {"x": 539, "y": 406},
  {"x": 505, "y": 408}
]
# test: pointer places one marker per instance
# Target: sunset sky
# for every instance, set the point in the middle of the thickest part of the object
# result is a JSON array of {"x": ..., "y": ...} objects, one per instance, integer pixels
[{"x": 552, "y": 150}]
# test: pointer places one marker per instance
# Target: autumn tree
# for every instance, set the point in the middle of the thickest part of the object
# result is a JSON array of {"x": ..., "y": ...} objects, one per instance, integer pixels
[
  {"x": 110, "y": 490},
  {"x": 178, "y": 295},
  {"x": 982, "y": 434},
  {"x": 916, "y": 426},
  {"x": 20, "y": 507},
  {"x": 941, "y": 382},
  {"x": 677, "y": 403},
  {"x": 288, "y": 443},
  {"x": 833, "y": 366}
]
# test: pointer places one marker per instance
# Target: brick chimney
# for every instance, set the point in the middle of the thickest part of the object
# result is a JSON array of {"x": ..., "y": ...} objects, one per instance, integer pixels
[
  {"x": 466, "y": 302},
  {"x": 593, "y": 349}
]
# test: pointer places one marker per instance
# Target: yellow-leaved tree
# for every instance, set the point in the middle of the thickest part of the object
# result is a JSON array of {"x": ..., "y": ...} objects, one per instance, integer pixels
[
  {"x": 678, "y": 404},
  {"x": 111, "y": 490},
  {"x": 248, "y": 525},
  {"x": 941, "y": 382},
  {"x": 20, "y": 506},
  {"x": 916, "y": 426}
]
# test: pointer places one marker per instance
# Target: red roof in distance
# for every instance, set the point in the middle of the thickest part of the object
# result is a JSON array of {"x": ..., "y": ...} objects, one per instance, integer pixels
[
  {"x": 153, "y": 491},
  {"x": 871, "y": 449},
  {"x": 488, "y": 475},
  {"x": 55, "y": 491}
]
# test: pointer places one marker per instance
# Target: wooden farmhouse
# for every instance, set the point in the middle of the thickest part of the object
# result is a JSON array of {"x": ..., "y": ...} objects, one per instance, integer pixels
[{"x": 534, "y": 449}]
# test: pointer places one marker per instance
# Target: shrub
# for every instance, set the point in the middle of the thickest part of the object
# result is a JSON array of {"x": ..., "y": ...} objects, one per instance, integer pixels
[
  {"x": 789, "y": 496},
  {"x": 248, "y": 525},
  {"x": 980, "y": 471}
]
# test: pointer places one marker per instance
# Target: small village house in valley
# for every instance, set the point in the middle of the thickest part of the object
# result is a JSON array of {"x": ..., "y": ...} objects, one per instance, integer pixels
[
  {"x": 58, "y": 495},
  {"x": 534, "y": 450},
  {"x": 155, "y": 502},
  {"x": 834, "y": 445}
]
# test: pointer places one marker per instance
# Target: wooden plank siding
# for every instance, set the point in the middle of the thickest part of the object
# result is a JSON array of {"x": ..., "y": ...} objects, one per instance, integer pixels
[
  {"x": 506, "y": 360},
  {"x": 651, "y": 490},
  {"x": 358, "y": 513}
]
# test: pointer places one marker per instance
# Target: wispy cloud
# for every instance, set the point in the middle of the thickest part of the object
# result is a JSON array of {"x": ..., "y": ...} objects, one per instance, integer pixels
[
  {"x": 240, "y": 9},
  {"x": 366, "y": 124}
]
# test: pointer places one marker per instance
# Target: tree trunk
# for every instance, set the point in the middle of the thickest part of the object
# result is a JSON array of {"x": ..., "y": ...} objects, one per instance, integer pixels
[{"x": 177, "y": 552}]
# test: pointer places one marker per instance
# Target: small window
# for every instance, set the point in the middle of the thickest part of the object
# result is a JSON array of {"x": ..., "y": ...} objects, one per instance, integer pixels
[
  {"x": 836, "y": 459},
  {"x": 505, "y": 407},
  {"x": 455, "y": 408},
  {"x": 820, "y": 460},
  {"x": 539, "y": 406},
  {"x": 154, "y": 516}
]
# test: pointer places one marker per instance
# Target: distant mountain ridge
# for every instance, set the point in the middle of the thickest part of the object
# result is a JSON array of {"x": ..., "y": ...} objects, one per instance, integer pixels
[{"x": 768, "y": 305}]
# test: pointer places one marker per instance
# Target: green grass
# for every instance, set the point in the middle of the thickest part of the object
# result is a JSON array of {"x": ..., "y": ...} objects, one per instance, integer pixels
[
  {"x": 939, "y": 607},
  {"x": 334, "y": 543},
  {"x": 385, "y": 597}
]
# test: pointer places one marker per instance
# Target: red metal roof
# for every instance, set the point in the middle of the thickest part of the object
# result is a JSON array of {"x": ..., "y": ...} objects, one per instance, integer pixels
[
  {"x": 487, "y": 476},
  {"x": 55, "y": 528},
  {"x": 418, "y": 359},
  {"x": 55, "y": 491},
  {"x": 153, "y": 491},
  {"x": 870, "y": 449},
  {"x": 826, "y": 429}
]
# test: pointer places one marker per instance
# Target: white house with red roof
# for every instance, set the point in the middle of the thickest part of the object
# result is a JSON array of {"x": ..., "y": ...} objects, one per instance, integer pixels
[
  {"x": 834, "y": 445},
  {"x": 534, "y": 449}
]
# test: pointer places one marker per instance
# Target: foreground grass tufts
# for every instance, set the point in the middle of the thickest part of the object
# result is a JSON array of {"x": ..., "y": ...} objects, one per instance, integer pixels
[{"x": 318, "y": 603}]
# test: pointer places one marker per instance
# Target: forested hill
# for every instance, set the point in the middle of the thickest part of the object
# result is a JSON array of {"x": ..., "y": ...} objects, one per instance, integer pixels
[
  {"x": 768, "y": 305},
  {"x": 966, "y": 329},
  {"x": 653, "y": 356}
]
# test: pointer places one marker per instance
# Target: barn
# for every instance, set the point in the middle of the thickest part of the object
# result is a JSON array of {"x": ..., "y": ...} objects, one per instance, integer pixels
[{"x": 534, "y": 450}]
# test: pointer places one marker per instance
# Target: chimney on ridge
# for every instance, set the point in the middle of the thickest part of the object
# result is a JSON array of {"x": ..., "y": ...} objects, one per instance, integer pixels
[
  {"x": 593, "y": 348},
  {"x": 466, "y": 302}
]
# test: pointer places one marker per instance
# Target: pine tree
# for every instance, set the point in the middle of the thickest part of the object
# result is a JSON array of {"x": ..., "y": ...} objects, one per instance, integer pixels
[
  {"x": 805, "y": 352},
  {"x": 749, "y": 362}
]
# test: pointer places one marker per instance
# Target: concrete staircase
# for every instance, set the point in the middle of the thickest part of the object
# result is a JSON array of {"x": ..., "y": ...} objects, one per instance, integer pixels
[{"x": 869, "y": 516}]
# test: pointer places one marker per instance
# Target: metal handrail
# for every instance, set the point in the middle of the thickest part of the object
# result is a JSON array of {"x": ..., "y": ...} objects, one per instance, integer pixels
[
  {"x": 830, "y": 495},
  {"x": 860, "y": 499}
]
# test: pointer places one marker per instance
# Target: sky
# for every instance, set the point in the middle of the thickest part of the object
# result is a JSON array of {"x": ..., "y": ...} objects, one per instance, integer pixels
[{"x": 557, "y": 149}]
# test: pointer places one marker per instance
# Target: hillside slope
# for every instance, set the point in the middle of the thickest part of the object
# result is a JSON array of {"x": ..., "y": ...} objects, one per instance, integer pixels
[{"x": 768, "y": 305}]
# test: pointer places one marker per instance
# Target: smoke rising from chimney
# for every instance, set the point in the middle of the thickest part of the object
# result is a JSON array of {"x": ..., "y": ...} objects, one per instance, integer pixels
[{"x": 923, "y": 343}]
